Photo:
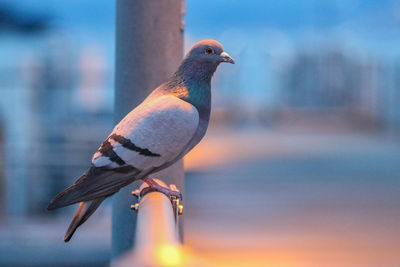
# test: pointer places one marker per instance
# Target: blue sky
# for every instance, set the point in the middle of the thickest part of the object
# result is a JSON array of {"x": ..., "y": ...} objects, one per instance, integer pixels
[
  {"x": 374, "y": 24},
  {"x": 210, "y": 17}
]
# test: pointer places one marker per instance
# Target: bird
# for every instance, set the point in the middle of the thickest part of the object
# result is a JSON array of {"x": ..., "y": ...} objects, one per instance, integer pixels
[{"x": 169, "y": 122}]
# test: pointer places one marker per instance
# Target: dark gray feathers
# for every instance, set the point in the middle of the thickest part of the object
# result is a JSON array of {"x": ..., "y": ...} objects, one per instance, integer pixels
[
  {"x": 94, "y": 183},
  {"x": 83, "y": 212}
]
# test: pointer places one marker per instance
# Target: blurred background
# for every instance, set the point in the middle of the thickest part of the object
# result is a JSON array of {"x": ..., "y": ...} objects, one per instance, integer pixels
[{"x": 301, "y": 164}]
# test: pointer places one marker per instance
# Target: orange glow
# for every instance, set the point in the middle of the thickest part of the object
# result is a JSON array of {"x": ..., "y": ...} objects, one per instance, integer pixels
[
  {"x": 218, "y": 148},
  {"x": 169, "y": 255}
]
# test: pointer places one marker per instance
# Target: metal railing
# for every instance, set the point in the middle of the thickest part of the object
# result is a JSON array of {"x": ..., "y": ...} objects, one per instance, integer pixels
[{"x": 157, "y": 241}]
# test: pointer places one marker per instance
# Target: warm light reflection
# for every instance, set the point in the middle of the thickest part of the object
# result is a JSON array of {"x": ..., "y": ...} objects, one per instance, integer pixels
[
  {"x": 220, "y": 148},
  {"x": 169, "y": 255}
]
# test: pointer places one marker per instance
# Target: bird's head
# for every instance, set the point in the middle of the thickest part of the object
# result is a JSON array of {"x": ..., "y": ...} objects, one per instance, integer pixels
[
  {"x": 209, "y": 51},
  {"x": 202, "y": 60}
]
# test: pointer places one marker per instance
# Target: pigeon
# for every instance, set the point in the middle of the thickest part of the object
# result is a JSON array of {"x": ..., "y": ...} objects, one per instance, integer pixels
[{"x": 154, "y": 135}]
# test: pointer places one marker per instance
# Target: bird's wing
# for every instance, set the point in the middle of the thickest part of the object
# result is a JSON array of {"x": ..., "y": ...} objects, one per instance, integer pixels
[
  {"x": 96, "y": 182},
  {"x": 154, "y": 133}
]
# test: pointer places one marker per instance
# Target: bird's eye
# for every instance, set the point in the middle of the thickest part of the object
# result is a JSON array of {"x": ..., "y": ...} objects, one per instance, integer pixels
[{"x": 209, "y": 50}]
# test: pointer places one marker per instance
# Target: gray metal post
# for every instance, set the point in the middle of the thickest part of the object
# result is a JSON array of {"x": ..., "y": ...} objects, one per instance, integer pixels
[{"x": 149, "y": 48}]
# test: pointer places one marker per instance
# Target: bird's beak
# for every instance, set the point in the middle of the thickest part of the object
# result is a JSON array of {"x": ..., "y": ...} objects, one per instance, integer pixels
[{"x": 227, "y": 58}]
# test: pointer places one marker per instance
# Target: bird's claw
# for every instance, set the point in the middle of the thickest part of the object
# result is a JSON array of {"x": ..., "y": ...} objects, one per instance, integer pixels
[
  {"x": 154, "y": 186},
  {"x": 175, "y": 194}
]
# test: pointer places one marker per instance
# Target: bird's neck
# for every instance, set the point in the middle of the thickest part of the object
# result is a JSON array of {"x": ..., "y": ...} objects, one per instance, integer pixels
[
  {"x": 192, "y": 82},
  {"x": 196, "y": 72}
]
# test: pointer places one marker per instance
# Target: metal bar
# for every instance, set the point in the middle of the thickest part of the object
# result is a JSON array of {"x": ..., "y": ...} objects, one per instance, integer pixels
[
  {"x": 157, "y": 235},
  {"x": 149, "y": 48}
]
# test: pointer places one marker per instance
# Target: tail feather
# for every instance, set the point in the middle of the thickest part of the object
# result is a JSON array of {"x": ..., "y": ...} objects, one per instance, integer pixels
[
  {"x": 84, "y": 211},
  {"x": 60, "y": 200}
]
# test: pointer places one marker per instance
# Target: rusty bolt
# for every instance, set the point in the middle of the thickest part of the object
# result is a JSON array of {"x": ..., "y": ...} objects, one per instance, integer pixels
[
  {"x": 135, "y": 207},
  {"x": 180, "y": 209}
]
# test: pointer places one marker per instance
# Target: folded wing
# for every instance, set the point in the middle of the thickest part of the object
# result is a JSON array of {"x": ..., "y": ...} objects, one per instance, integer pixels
[{"x": 151, "y": 135}]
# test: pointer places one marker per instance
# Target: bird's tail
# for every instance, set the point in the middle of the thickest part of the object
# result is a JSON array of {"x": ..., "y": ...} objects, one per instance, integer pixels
[{"x": 84, "y": 211}]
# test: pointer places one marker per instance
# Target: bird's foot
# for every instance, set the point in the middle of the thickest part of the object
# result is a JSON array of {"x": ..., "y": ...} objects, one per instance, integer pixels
[{"x": 154, "y": 186}]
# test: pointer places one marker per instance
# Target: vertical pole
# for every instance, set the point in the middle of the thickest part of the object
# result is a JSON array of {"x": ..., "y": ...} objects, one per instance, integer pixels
[{"x": 149, "y": 48}]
